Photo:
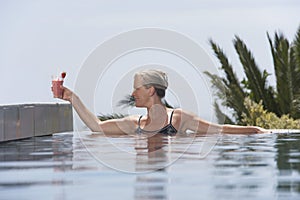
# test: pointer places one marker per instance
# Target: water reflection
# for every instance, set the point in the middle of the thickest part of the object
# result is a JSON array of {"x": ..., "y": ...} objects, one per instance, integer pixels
[
  {"x": 148, "y": 186},
  {"x": 239, "y": 167},
  {"x": 288, "y": 163},
  {"x": 38, "y": 152},
  {"x": 150, "y": 152},
  {"x": 244, "y": 167}
]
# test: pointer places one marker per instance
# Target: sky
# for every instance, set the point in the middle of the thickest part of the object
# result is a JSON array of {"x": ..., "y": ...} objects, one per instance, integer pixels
[{"x": 42, "y": 38}]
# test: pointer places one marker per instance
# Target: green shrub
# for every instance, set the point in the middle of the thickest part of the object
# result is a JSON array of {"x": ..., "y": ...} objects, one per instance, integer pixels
[{"x": 257, "y": 116}]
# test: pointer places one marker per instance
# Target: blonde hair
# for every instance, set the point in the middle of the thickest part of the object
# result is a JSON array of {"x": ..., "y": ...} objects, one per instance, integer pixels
[{"x": 154, "y": 77}]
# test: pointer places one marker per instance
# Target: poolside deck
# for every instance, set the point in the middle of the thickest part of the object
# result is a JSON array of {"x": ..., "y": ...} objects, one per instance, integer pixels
[{"x": 37, "y": 119}]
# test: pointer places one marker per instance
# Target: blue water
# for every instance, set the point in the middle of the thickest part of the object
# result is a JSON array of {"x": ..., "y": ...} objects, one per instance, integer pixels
[{"x": 93, "y": 166}]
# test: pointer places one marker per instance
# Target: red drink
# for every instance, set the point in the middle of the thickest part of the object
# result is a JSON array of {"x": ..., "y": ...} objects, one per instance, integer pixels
[{"x": 57, "y": 90}]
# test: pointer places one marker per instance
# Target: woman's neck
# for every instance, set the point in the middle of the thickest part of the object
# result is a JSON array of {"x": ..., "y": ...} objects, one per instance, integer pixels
[{"x": 157, "y": 115}]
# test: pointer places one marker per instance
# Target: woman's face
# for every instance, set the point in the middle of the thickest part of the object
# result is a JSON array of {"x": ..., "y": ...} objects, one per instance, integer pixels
[{"x": 140, "y": 92}]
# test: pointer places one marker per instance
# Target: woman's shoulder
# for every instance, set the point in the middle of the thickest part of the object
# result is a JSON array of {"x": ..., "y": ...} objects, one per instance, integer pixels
[
  {"x": 132, "y": 118},
  {"x": 182, "y": 112}
]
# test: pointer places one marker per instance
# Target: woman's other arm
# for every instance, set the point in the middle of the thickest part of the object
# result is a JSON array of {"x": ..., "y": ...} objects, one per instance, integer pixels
[{"x": 198, "y": 125}]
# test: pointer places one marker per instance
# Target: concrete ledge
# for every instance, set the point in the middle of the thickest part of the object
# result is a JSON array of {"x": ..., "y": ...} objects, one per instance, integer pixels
[{"x": 29, "y": 120}]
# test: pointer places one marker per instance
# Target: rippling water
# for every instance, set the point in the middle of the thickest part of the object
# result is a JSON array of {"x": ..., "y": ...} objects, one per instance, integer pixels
[{"x": 93, "y": 166}]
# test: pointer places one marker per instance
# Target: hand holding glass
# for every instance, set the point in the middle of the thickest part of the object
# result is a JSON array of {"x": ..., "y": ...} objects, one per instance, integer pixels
[{"x": 57, "y": 82}]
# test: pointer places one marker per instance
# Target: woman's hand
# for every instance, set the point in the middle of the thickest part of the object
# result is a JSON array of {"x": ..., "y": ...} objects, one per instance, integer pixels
[
  {"x": 256, "y": 129},
  {"x": 67, "y": 94}
]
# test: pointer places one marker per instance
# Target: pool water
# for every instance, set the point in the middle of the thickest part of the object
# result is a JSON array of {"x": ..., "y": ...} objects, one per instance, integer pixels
[{"x": 88, "y": 165}]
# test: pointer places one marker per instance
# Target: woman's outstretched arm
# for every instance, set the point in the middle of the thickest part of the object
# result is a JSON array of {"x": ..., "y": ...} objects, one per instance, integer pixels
[
  {"x": 85, "y": 115},
  {"x": 125, "y": 125},
  {"x": 198, "y": 125}
]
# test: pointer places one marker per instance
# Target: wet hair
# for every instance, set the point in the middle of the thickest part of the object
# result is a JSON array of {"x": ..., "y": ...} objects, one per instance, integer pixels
[
  {"x": 159, "y": 91},
  {"x": 156, "y": 78}
]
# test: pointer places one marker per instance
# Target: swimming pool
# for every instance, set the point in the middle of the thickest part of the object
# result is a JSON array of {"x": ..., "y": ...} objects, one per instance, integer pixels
[{"x": 92, "y": 166}]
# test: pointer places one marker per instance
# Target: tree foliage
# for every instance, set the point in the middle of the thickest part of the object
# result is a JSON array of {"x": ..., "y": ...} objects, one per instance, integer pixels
[{"x": 281, "y": 99}]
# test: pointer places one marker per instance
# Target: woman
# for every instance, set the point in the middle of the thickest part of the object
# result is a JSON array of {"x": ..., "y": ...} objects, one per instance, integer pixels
[{"x": 149, "y": 89}]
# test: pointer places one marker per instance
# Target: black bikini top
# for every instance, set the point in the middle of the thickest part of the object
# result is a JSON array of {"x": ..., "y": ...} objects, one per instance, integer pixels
[{"x": 169, "y": 129}]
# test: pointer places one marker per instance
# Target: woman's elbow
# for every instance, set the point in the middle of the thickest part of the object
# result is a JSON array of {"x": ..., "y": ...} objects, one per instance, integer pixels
[{"x": 97, "y": 127}]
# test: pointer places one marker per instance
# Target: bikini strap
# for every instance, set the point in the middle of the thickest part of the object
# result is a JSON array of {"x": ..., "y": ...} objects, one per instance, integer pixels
[
  {"x": 139, "y": 122},
  {"x": 171, "y": 117}
]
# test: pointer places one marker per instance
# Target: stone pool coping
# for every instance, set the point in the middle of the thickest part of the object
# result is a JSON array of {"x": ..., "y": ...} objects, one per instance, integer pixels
[{"x": 36, "y": 119}]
